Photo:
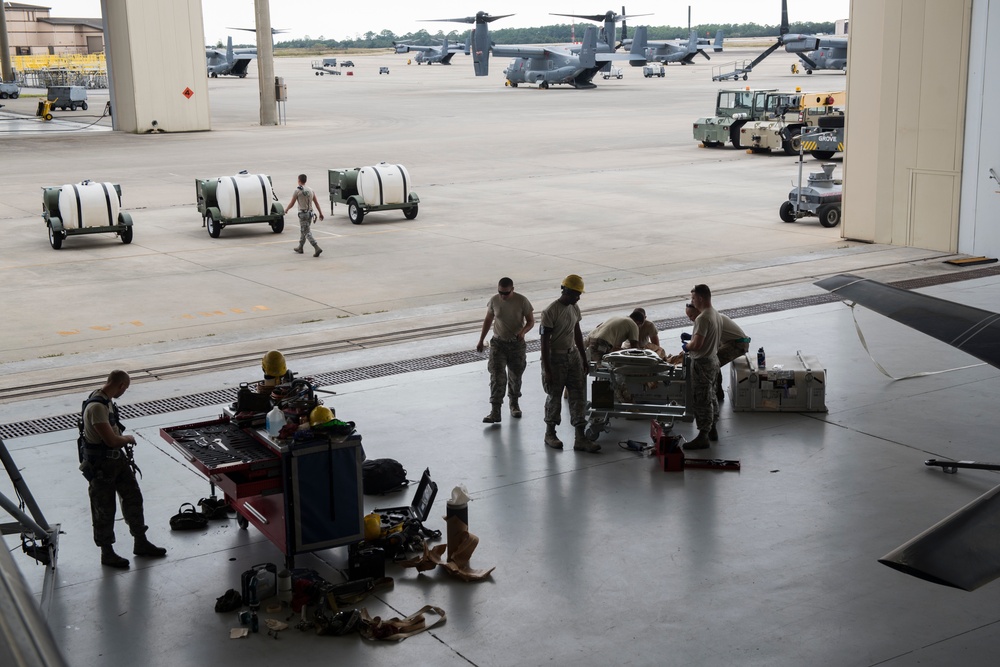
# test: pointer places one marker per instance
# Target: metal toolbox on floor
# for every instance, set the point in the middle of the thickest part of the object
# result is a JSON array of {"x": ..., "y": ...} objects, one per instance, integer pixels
[{"x": 788, "y": 384}]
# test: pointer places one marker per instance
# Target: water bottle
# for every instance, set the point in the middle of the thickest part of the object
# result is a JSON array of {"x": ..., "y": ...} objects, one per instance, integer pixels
[
  {"x": 274, "y": 421},
  {"x": 761, "y": 363}
]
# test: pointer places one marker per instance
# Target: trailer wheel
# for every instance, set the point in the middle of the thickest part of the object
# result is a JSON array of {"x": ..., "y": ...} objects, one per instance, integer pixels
[
  {"x": 829, "y": 215},
  {"x": 411, "y": 212},
  {"x": 55, "y": 239},
  {"x": 48, "y": 116},
  {"x": 787, "y": 212},
  {"x": 278, "y": 226},
  {"x": 3, "y": 95},
  {"x": 354, "y": 212},
  {"x": 83, "y": 105},
  {"x": 214, "y": 228},
  {"x": 72, "y": 107},
  {"x": 822, "y": 155},
  {"x": 126, "y": 235}
]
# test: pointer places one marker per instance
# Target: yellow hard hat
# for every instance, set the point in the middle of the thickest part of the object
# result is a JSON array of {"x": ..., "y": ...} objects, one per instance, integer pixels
[
  {"x": 573, "y": 282},
  {"x": 273, "y": 364},
  {"x": 320, "y": 415}
]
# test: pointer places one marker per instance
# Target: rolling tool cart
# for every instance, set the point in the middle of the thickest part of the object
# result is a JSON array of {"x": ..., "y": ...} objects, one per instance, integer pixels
[{"x": 303, "y": 493}]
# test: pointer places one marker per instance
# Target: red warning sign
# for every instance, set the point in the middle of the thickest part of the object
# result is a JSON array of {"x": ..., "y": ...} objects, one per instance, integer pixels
[{"x": 187, "y": 93}]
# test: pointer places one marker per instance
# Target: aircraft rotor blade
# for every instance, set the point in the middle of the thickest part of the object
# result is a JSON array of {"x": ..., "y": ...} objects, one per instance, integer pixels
[
  {"x": 807, "y": 60},
  {"x": 480, "y": 18},
  {"x": 702, "y": 52}
]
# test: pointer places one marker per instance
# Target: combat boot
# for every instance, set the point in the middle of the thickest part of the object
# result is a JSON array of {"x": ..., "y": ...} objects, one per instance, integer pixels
[
  {"x": 111, "y": 559},
  {"x": 701, "y": 442},
  {"x": 494, "y": 416},
  {"x": 582, "y": 444},
  {"x": 515, "y": 409},
  {"x": 144, "y": 547},
  {"x": 551, "y": 439},
  {"x": 713, "y": 435},
  {"x": 318, "y": 252},
  {"x": 298, "y": 249}
]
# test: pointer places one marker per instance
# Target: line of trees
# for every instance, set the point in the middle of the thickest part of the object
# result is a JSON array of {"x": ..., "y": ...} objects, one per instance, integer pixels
[{"x": 551, "y": 34}]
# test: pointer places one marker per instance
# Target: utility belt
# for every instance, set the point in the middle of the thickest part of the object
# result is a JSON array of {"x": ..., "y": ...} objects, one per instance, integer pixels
[
  {"x": 305, "y": 214},
  {"x": 505, "y": 340},
  {"x": 95, "y": 453},
  {"x": 567, "y": 351}
]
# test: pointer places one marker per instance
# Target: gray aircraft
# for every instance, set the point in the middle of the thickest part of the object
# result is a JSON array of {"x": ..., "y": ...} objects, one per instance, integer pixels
[
  {"x": 547, "y": 65},
  {"x": 815, "y": 51},
  {"x": 606, "y": 37},
  {"x": 671, "y": 52},
  {"x": 431, "y": 54},
  {"x": 229, "y": 62}
]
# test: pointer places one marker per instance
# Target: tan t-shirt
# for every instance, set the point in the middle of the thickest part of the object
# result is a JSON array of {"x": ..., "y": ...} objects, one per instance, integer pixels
[
  {"x": 616, "y": 331},
  {"x": 730, "y": 330},
  {"x": 97, "y": 413},
  {"x": 709, "y": 325},
  {"x": 509, "y": 315},
  {"x": 304, "y": 198},
  {"x": 562, "y": 320}
]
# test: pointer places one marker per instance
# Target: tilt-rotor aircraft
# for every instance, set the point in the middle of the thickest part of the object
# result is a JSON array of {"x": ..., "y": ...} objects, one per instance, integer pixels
[
  {"x": 431, "y": 54},
  {"x": 816, "y": 52},
  {"x": 546, "y": 65},
  {"x": 606, "y": 38},
  {"x": 229, "y": 62}
]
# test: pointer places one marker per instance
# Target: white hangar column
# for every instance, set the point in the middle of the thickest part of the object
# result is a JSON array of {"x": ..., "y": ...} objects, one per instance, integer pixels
[
  {"x": 979, "y": 230},
  {"x": 156, "y": 65},
  {"x": 907, "y": 88}
]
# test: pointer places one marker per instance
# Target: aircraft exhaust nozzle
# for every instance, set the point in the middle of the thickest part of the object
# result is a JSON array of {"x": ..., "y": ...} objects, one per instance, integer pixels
[{"x": 959, "y": 551}]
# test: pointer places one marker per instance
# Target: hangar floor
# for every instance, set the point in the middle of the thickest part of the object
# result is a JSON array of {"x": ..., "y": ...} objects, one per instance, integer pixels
[{"x": 601, "y": 559}]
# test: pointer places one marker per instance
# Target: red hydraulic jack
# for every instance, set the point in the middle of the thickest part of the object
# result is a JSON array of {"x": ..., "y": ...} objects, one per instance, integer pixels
[{"x": 671, "y": 455}]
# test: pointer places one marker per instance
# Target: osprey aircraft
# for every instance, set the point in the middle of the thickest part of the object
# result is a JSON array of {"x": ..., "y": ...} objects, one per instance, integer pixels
[
  {"x": 430, "y": 54},
  {"x": 815, "y": 51},
  {"x": 547, "y": 65},
  {"x": 229, "y": 62}
]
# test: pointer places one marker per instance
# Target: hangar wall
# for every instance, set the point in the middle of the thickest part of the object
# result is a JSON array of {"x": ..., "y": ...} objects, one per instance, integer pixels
[
  {"x": 979, "y": 230},
  {"x": 156, "y": 65},
  {"x": 906, "y": 121}
]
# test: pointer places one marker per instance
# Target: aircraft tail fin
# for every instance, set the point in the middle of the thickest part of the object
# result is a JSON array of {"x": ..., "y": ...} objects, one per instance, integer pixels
[
  {"x": 638, "y": 49},
  {"x": 692, "y": 45},
  {"x": 229, "y": 51},
  {"x": 588, "y": 48},
  {"x": 717, "y": 46}
]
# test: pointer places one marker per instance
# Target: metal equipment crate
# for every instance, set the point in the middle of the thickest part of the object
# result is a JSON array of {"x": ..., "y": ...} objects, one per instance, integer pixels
[
  {"x": 788, "y": 384},
  {"x": 637, "y": 384}
]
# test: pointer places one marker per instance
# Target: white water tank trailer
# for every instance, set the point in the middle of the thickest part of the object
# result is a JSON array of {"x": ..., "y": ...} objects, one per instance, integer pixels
[
  {"x": 238, "y": 200},
  {"x": 381, "y": 187},
  {"x": 84, "y": 208}
]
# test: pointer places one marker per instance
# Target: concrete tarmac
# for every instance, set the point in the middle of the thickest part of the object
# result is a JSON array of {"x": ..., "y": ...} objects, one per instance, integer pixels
[{"x": 535, "y": 184}]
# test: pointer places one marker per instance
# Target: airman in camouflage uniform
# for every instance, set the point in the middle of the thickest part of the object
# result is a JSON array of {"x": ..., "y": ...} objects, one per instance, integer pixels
[{"x": 107, "y": 465}]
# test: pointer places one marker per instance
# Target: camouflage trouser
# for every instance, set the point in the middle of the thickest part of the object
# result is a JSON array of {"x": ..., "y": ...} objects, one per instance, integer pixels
[
  {"x": 305, "y": 229},
  {"x": 727, "y": 352},
  {"x": 705, "y": 404},
  {"x": 111, "y": 477},
  {"x": 567, "y": 372},
  {"x": 508, "y": 360}
]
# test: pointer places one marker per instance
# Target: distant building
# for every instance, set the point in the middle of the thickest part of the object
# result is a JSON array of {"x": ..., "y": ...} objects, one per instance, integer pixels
[
  {"x": 32, "y": 31},
  {"x": 840, "y": 27}
]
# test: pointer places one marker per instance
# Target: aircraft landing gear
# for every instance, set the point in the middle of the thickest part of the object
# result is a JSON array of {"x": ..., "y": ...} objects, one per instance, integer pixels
[{"x": 543, "y": 85}]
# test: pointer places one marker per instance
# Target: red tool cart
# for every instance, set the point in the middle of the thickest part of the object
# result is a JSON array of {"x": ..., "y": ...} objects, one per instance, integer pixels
[{"x": 303, "y": 495}]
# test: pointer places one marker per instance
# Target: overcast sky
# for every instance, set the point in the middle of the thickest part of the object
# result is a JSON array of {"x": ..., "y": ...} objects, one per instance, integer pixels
[{"x": 317, "y": 18}]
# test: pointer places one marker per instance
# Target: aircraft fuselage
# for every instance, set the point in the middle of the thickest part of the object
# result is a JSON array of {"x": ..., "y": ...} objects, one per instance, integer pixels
[{"x": 553, "y": 69}]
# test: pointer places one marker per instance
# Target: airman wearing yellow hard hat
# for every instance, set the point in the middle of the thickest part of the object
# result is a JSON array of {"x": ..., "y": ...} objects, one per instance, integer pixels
[{"x": 564, "y": 365}]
